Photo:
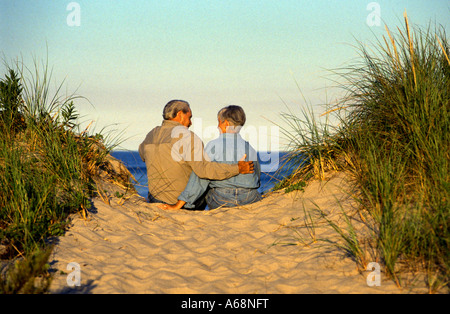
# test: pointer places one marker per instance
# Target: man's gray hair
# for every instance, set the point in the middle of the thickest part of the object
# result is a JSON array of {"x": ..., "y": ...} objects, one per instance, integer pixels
[
  {"x": 233, "y": 114},
  {"x": 173, "y": 107}
]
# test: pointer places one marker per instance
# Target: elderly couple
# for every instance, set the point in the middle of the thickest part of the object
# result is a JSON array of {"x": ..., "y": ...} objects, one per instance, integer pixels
[{"x": 183, "y": 174}]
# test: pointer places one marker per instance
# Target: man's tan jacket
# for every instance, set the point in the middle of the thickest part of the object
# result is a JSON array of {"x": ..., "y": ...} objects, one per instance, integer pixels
[{"x": 171, "y": 152}]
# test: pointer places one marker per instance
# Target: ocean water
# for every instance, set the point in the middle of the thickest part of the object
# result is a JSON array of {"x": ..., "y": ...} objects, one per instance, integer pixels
[{"x": 136, "y": 166}]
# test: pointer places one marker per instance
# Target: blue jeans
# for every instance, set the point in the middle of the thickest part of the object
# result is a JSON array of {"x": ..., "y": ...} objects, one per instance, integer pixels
[
  {"x": 152, "y": 199},
  {"x": 200, "y": 204},
  {"x": 231, "y": 197}
]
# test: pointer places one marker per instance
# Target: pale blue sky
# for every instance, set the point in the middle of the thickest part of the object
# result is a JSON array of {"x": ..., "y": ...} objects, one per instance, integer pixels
[{"x": 129, "y": 58}]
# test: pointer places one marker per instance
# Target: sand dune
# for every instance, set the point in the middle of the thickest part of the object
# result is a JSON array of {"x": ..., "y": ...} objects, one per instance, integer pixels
[{"x": 260, "y": 248}]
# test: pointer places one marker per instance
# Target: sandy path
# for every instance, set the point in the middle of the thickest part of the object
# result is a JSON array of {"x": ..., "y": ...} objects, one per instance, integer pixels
[{"x": 138, "y": 248}]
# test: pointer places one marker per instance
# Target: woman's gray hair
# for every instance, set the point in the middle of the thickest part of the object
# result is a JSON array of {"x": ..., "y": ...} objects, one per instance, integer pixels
[
  {"x": 173, "y": 107},
  {"x": 233, "y": 114}
]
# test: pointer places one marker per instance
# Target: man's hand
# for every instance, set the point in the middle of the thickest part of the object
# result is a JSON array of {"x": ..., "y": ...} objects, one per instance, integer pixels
[{"x": 245, "y": 166}]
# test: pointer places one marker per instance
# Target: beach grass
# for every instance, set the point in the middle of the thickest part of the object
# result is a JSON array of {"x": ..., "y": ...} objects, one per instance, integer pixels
[
  {"x": 393, "y": 139},
  {"x": 48, "y": 170}
]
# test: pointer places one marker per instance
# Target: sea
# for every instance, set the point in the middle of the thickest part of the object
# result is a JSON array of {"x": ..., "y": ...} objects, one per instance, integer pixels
[{"x": 269, "y": 175}]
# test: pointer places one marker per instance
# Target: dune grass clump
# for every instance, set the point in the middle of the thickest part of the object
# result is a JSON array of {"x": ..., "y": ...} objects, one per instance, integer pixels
[
  {"x": 48, "y": 170},
  {"x": 393, "y": 137},
  {"x": 397, "y": 126},
  {"x": 313, "y": 148}
]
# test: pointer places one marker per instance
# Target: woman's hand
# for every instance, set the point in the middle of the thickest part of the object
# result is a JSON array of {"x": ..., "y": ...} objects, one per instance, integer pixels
[{"x": 176, "y": 206}]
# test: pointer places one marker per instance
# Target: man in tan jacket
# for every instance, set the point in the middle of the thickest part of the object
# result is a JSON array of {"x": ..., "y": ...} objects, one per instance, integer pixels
[{"x": 171, "y": 152}]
